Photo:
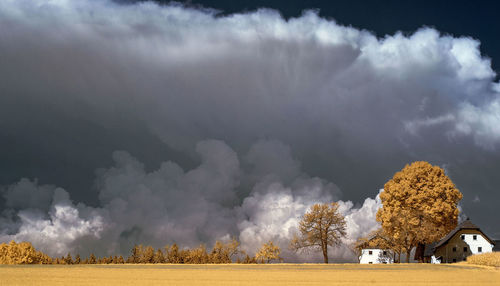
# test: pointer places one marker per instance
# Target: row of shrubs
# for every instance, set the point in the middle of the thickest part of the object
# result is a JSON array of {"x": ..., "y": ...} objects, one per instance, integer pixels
[
  {"x": 25, "y": 253},
  {"x": 488, "y": 259}
]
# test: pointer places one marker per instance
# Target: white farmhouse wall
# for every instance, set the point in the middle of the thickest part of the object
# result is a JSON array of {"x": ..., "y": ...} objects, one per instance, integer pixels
[
  {"x": 375, "y": 257},
  {"x": 474, "y": 244}
]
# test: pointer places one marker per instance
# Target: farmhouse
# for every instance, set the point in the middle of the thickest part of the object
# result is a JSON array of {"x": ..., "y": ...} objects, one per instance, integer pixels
[{"x": 466, "y": 239}]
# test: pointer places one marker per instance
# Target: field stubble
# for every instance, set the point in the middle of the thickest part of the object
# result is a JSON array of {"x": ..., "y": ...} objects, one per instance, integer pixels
[{"x": 233, "y": 274}]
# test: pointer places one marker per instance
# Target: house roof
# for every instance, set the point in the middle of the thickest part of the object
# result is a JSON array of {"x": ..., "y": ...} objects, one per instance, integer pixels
[
  {"x": 467, "y": 224},
  {"x": 429, "y": 249}
]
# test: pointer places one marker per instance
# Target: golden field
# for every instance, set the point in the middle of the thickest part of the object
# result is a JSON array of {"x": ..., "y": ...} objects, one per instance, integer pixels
[
  {"x": 237, "y": 274},
  {"x": 488, "y": 259}
]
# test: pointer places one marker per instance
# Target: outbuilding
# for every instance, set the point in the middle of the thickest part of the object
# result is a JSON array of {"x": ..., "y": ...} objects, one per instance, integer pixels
[{"x": 375, "y": 256}]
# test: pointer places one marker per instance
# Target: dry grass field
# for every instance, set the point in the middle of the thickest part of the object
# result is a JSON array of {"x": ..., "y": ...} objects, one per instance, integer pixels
[
  {"x": 278, "y": 274},
  {"x": 488, "y": 259}
]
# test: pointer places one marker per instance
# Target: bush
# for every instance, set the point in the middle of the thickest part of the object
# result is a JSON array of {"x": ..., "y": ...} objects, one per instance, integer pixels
[
  {"x": 488, "y": 259},
  {"x": 22, "y": 253}
]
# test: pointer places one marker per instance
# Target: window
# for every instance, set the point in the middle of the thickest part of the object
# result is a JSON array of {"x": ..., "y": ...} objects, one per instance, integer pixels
[
  {"x": 384, "y": 253},
  {"x": 474, "y": 237},
  {"x": 462, "y": 236},
  {"x": 454, "y": 249},
  {"x": 465, "y": 249},
  {"x": 370, "y": 252},
  {"x": 479, "y": 249}
]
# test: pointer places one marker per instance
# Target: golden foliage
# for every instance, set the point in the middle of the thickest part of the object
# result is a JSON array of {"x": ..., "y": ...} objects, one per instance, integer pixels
[
  {"x": 159, "y": 257},
  {"x": 172, "y": 254},
  {"x": 488, "y": 259},
  {"x": 268, "y": 252},
  {"x": 320, "y": 227},
  {"x": 419, "y": 205},
  {"x": 197, "y": 255},
  {"x": 224, "y": 252},
  {"x": 376, "y": 239},
  {"x": 148, "y": 254},
  {"x": 92, "y": 259},
  {"x": 22, "y": 253}
]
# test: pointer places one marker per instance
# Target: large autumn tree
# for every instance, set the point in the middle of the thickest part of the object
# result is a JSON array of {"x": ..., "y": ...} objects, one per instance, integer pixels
[
  {"x": 322, "y": 226},
  {"x": 419, "y": 205}
]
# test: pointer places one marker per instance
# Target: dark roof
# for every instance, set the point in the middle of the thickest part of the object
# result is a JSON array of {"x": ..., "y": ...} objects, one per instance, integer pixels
[
  {"x": 367, "y": 245},
  {"x": 467, "y": 224},
  {"x": 429, "y": 249},
  {"x": 497, "y": 245}
]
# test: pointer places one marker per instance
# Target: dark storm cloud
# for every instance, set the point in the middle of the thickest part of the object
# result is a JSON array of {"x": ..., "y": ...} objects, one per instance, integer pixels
[{"x": 289, "y": 102}]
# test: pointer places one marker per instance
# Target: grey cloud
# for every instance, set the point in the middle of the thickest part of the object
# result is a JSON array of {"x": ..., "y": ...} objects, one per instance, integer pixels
[
  {"x": 350, "y": 107},
  {"x": 27, "y": 194}
]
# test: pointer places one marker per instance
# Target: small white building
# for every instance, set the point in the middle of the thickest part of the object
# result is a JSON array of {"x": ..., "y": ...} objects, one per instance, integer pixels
[{"x": 375, "y": 256}]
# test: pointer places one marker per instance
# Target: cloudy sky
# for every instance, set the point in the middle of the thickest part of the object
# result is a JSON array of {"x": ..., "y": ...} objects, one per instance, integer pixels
[{"x": 144, "y": 122}]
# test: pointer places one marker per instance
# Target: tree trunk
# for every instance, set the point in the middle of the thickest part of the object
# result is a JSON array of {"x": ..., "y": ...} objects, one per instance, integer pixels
[
  {"x": 399, "y": 257},
  {"x": 419, "y": 252},
  {"x": 408, "y": 256},
  {"x": 325, "y": 253}
]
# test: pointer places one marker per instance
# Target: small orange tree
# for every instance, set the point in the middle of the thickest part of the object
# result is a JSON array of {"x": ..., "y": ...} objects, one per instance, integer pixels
[
  {"x": 268, "y": 252},
  {"x": 419, "y": 205}
]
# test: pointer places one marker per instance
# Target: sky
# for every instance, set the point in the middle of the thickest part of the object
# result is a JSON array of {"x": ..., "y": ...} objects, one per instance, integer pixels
[{"x": 126, "y": 122}]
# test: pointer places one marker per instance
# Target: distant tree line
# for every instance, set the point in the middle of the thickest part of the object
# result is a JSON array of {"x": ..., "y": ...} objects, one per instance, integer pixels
[{"x": 25, "y": 253}]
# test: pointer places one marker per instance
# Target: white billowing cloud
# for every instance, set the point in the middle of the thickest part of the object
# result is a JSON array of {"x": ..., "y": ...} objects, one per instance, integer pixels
[
  {"x": 190, "y": 75},
  {"x": 59, "y": 230},
  {"x": 361, "y": 220},
  {"x": 482, "y": 122}
]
